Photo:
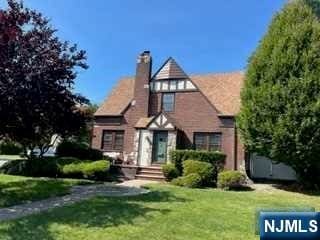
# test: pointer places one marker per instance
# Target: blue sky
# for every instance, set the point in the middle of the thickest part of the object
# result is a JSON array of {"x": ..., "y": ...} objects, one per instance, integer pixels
[{"x": 203, "y": 36}]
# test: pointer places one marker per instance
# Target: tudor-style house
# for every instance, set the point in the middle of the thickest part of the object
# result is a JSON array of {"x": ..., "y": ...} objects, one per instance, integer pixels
[{"x": 148, "y": 115}]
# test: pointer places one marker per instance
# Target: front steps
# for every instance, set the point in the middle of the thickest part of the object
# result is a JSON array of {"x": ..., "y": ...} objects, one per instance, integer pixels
[{"x": 153, "y": 173}]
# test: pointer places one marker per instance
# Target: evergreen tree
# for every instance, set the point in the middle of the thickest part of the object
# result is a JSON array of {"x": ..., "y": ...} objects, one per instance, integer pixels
[{"x": 280, "y": 113}]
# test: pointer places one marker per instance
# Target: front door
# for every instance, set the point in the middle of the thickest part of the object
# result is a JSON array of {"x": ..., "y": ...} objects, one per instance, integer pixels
[{"x": 160, "y": 141}]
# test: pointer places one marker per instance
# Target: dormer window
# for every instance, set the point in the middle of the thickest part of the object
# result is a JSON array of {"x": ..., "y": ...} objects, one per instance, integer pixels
[{"x": 168, "y": 102}]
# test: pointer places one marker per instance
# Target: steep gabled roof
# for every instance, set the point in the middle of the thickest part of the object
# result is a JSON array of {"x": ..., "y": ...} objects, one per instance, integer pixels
[
  {"x": 221, "y": 89},
  {"x": 170, "y": 70},
  {"x": 118, "y": 100},
  {"x": 159, "y": 121}
]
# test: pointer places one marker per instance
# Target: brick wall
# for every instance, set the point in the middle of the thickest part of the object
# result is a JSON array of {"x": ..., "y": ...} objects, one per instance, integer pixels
[{"x": 194, "y": 113}]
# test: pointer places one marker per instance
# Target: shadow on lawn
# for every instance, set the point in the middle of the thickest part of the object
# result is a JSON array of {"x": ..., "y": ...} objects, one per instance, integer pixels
[
  {"x": 16, "y": 192},
  {"x": 95, "y": 213},
  {"x": 296, "y": 188}
]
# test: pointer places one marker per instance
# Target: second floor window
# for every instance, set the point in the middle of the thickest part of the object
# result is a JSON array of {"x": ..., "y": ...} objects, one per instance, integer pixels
[
  {"x": 112, "y": 140},
  {"x": 168, "y": 102}
]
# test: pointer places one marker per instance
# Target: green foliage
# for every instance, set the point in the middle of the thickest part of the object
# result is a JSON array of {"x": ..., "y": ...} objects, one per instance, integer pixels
[
  {"x": 170, "y": 172},
  {"x": 217, "y": 159},
  {"x": 10, "y": 148},
  {"x": 280, "y": 113},
  {"x": 93, "y": 170},
  {"x": 58, "y": 167},
  {"x": 38, "y": 71},
  {"x": 78, "y": 150},
  {"x": 171, "y": 212},
  {"x": 203, "y": 169},
  {"x": 192, "y": 180},
  {"x": 17, "y": 190},
  {"x": 231, "y": 180},
  {"x": 84, "y": 134}
]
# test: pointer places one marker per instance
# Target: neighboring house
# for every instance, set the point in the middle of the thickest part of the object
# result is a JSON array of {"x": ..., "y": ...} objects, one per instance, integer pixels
[{"x": 147, "y": 116}]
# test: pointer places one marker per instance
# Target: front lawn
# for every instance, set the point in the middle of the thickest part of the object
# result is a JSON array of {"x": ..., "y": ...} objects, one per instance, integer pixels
[
  {"x": 10, "y": 157},
  {"x": 15, "y": 190},
  {"x": 167, "y": 213}
]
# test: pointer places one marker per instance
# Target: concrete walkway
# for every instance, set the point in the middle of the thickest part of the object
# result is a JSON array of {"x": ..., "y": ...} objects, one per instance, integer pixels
[
  {"x": 78, "y": 193},
  {"x": 137, "y": 183}
]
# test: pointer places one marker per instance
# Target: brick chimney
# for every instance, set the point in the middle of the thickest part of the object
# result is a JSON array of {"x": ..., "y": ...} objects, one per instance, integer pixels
[{"x": 141, "y": 87}]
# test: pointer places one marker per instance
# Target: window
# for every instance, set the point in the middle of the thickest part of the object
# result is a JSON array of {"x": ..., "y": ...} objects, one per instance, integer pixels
[
  {"x": 168, "y": 102},
  {"x": 207, "y": 141},
  {"x": 112, "y": 140}
]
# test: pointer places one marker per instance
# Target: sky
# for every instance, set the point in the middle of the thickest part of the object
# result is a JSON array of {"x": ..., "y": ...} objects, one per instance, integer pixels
[{"x": 203, "y": 36}]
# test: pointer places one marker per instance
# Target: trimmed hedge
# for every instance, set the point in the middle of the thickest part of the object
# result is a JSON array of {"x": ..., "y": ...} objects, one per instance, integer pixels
[
  {"x": 203, "y": 169},
  {"x": 10, "y": 148},
  {"x": 217, "y": 159},
  {"x": 55, "y": 167},
  {"x": 231, "y": 180},
  {"x": 78, "y": 150},
  {"x": 94, "y": 170},
  {"x": 191, "y": 181},
  {"x": 170, "y": 172}
]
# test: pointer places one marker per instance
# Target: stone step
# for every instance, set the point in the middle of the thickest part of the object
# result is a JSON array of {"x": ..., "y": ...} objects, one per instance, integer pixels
[
  {"x": 150, "y": 177},
  {"x": 150, "y": 169},
  {"x": 148, "y": 172}
]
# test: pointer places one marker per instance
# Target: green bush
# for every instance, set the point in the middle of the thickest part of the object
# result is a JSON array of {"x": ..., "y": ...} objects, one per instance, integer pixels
[
  {"x": 94, "y": 170},
  {"x": 192, "y": 180},
  {"x": 10, "y": 148},
  {"x": 61, "y": 161},
  {"x": 170, "y": 172},
  {"x": 78, "y": 150},
  {"x": 14, "y": 167},
  {"x": 231, "y": 180},
  {"x": 46, "y": 167},
  {"x": 203, "y": 169},
  {"x": 58, "y": 167},
  {"x": 217, "y": 159}
]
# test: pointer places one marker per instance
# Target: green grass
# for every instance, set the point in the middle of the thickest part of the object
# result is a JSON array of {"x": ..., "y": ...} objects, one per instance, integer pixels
[
  {"x": 15, "y": 190},
  {"x": 11, "y": 157},
  {"x": 167, "y": 213}
]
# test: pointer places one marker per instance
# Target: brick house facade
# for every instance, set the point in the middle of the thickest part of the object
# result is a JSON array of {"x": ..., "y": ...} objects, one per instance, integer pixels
[{"x": 147, "y": 116}]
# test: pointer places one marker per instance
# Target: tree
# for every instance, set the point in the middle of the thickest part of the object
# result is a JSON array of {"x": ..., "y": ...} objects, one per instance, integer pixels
[
  {"x": 37, "y": 75},
  {"x": 280, "y": 113},
  {"x": 84, "y": 134}
]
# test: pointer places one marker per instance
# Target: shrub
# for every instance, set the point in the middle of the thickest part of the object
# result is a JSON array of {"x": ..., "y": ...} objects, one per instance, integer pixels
[
  {"x": 61, "y": 161},
  {"x": 87, "y": 169},
  {"x": 46, "y": 167},
  {"x": 231, "y": 180},
  {"x": 203, "y": 169},
  {"x": 217, "y": 159},
  {"x": 10, "y": 148},
  {"x": 78, "y": 150},
  {"x": 14, "y": 167},
  {"x": 96, "y": 169},
  {"x": 57, "y": 167},
  {"x": 192, "y": 181},
  {"x": 170, "y": 172}
]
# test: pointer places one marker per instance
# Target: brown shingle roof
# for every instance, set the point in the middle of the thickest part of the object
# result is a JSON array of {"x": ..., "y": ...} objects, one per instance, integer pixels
[
  {"x": 143, "y": 122},
  {"x": 170, "y": 69},
  {"x": 118, "y": 99},
  {"x": 221, "y": 89}
]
